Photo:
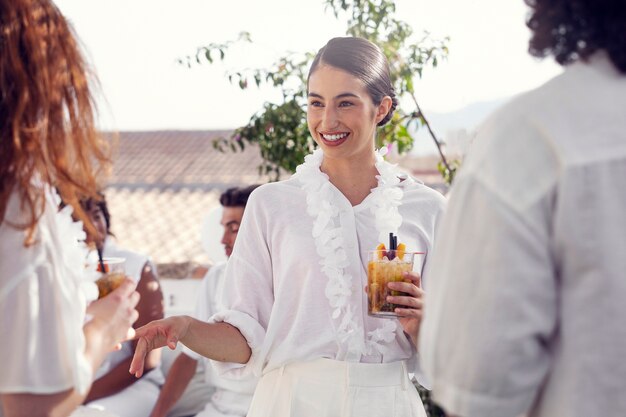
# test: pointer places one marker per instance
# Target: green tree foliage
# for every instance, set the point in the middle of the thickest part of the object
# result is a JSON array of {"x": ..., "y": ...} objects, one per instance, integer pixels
[{"x": 280, "y": 129}]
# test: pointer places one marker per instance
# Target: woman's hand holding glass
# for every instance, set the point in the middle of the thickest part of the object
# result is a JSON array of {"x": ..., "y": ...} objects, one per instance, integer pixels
[
  {"x": 411, "y": 316},
  {"x": 114, "y": 315}
]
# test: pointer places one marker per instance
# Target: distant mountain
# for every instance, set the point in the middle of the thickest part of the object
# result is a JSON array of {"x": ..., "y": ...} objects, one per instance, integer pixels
[{"x": 447, "y": 125}]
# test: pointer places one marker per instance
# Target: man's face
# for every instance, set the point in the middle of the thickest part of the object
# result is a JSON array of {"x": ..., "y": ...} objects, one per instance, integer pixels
[{"x": 231, "y": 219}]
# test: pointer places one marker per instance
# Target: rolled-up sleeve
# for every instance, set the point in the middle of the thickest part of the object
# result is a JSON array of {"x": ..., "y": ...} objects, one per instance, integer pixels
[{"x": 248, "y": 294}]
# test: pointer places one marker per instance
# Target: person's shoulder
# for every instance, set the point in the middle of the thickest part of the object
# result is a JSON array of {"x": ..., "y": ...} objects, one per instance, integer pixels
[
  {"x": 272, "y": 192},
  {"x": 276, "y": 186},
  {"x": 215, "y": 270},
  {"x": 135, "y": 262},
  {"x": 515, "y": 155},
  {"x": 415, "y": 191},
  {"x": 578, "y": 87},
  {"x": 13, "y": 237},
  {"x": 25, "y": 259},
  {"x": 112, "y": 248},
  {"x": 213, "y": 275}
]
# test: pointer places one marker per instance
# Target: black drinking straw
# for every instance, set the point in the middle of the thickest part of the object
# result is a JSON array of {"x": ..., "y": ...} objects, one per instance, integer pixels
[
  {"x": 100, "y": 260},
  {"x": 393, "y": 245}
]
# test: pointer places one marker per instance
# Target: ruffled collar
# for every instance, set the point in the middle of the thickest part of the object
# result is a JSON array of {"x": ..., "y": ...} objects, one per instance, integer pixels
[
  {"x": 75, "y": 252},
  {"x": 323, "y": 205},
  {"x": 70, "y": 236}
]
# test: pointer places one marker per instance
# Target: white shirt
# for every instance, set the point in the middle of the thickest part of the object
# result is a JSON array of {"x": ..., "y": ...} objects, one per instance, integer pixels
[
  {"x": 42, "y": 303},
  {"x": 231, "y": 395},
  {"x": 276, "y": 289},
  {"x": 526, "y": 307}
]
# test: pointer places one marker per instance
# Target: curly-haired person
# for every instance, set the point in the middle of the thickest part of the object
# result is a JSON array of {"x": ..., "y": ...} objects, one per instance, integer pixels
[{"x": 525, "y": 310}]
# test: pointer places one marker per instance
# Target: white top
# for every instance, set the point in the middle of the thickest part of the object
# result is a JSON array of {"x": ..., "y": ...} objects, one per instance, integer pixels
[
  {"x": 232, "y": 394},
  {"x": 526, "y": 305},
  {"x": 296, "y": 297},
  {"x": 43, "y": 302}
]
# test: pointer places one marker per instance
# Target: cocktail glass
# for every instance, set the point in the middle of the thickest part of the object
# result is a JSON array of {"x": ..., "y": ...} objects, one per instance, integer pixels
[
  {"x": 383, "y": 267},
  {"x": 112, "y": 276}
]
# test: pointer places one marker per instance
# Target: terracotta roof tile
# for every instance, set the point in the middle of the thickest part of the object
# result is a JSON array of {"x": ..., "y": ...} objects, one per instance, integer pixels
[
  {"x": 163, "y": 185},
  {"x": 179, "y": 158},
  {"x": 162, "y": 223}
]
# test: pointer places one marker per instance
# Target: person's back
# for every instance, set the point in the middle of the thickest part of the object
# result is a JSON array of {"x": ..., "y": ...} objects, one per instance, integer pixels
[
  {"x": 584, "y": 119},
  {"x": 572, "y": 132},
  {"x": 525, "y": 309}
]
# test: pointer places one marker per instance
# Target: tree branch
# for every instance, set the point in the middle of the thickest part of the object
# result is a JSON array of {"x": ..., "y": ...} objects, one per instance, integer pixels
[{"x": 432, "y": 134}]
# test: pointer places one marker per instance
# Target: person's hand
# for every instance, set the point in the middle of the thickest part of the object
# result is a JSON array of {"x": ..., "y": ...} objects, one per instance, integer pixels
[
  {"x": 410, "y": 315},
  {"x": 115, "y": 314},
  {"x": 156, "y": 334}
]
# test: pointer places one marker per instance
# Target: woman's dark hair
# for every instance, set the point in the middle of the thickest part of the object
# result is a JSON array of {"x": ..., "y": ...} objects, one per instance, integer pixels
[
  {"x": 89, "y": 203},
  {"x": 237, "y": 196},
  {"x": 574, "y": 29},
  {"x": 364, "y": 60}
]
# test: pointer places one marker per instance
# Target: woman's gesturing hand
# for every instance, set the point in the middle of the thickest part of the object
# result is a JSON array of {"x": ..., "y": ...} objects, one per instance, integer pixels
[
  {"x": 410, "y": 315},
  {"x": 156, "y": 334}
]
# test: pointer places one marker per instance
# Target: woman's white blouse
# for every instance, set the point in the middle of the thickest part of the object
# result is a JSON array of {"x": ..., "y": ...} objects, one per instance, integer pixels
[
  {"x": 43, "y": 298},
  {"x": 276, "y": 290}
]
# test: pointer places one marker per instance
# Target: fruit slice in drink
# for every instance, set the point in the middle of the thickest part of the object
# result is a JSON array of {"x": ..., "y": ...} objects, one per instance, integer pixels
[{"x": 380, "y": 273}]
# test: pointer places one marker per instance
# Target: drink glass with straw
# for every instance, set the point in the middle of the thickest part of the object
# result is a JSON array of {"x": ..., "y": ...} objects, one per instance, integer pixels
[
  {"x": 385, "y": 266},
  {"x": 112, "y": 274}
]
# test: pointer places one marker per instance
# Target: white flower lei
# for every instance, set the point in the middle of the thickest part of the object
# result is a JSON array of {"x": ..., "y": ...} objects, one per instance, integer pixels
[{"x": 330, "y": 245}]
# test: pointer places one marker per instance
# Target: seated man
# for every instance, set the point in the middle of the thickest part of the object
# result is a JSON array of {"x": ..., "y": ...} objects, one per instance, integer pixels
[{"x": 231, "y": 397}]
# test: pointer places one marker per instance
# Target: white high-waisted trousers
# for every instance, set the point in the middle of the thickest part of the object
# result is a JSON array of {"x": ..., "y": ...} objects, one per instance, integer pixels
[{"x": 330, "y": 388}]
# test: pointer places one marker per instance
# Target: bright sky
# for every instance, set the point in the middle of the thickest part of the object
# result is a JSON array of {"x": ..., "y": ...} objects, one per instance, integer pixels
[{"x": 133, "y": 46}]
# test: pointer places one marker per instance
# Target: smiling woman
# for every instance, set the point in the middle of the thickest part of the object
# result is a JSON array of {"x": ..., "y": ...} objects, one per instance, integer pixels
[
  {"x": 349, "y": 95},
  {"x": 294, "y": 299},
  {"x": 365, "y": 62}
]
